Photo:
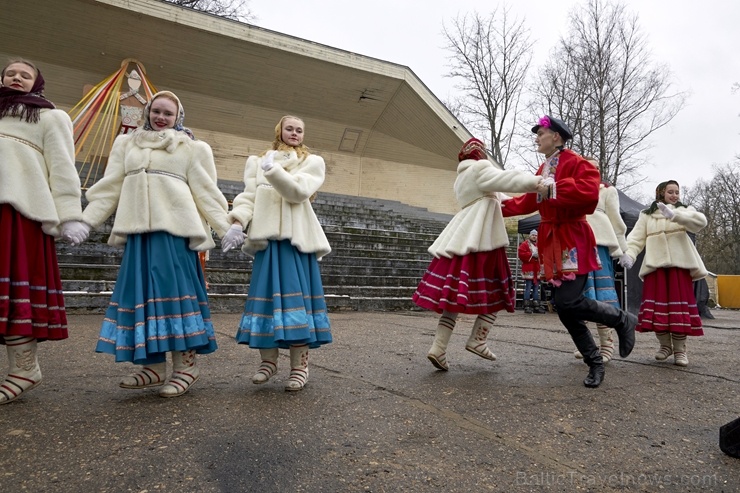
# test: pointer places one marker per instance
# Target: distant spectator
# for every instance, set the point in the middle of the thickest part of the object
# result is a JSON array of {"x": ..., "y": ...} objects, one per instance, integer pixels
[{"x": 529, "y": 257}]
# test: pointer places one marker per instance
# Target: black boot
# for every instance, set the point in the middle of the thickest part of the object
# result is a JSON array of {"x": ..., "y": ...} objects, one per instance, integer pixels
[
  {"x": 626, "y": 333},
  {"x": 527, "y": 306},
  {"x": 584, "y": 341},
  {"x": 595, "y": 376},
  {"x": 623, "y": 322},
  {"x": 538, "y": 308}
]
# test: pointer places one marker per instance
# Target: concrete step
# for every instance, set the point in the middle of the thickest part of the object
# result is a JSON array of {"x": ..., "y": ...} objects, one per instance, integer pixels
[
  {"x": 397, "y": 254},
  {"x": 81, "y": 303},
  {"x": 379, "y": 255},
  {"x": 86, "y": 272},
  {"x": 330, "y": 270},
  {"x": 97, "y": 287},
  {"x": 372, "y": 291},
  {"x": 338, "y": 214},
  {"x": 368, "y": 240},
  {"x": 386, "y": 225},
  {"x": 330, "y": 229},
  {"x": 420, "y": 264},
  {"x": 337, "y": 261}
]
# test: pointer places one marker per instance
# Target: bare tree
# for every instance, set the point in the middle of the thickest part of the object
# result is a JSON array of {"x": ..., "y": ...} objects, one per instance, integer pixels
[
  {"x": 489, "y": 57},
  {"x": 237, "y": 10},
  {"x": 719, "y": 242},
  {"x": 601, "y": 80}
]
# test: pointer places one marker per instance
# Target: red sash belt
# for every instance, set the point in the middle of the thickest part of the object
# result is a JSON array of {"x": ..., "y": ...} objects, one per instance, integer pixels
[{"x": 553, "y": 254}]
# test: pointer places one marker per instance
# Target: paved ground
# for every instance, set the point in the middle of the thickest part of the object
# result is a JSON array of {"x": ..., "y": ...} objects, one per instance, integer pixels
[{"x": 377, "y": 417}]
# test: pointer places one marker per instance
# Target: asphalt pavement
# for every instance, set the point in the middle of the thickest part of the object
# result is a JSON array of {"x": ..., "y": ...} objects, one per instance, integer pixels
[{"x": 377, "y": 417}]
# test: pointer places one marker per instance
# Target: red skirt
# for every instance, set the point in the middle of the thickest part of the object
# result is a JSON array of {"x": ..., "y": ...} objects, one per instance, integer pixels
[
  {"x": 476, "y": 283},
  {"x": 31, "y": 301},
  {"x": 668, "y": 303}
]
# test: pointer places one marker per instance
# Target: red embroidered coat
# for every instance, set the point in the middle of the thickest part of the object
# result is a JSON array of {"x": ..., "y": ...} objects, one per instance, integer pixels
[
  {"x": 530, "y": 264},
  {"x": 566, "y": 242}
]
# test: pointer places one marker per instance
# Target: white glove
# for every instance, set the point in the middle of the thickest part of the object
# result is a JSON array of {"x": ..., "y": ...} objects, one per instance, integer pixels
[
  {"x": 268, "y": 160},
  {"x": 626, "y": 261},
  {"x": 543, "y": 188},
  {"x": 233, "y": 238},
  {"x": 668, "y": 213},
  {"x": 75, "y": 232}
]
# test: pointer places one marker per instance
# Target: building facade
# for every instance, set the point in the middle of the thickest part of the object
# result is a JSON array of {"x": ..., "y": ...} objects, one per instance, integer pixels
[{"x": 381, "y": 131}]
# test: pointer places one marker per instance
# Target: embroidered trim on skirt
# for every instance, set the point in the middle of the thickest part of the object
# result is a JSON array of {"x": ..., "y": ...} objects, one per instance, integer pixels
[
  {"x": 476, "y": 283},
  {"x": 285, "y": 304},
  {"x": 159, "y": 303},
  {"x": 31, "y": 299},
  {"x": 600, "y": 283},
  {"x": 669, "y": 304}
]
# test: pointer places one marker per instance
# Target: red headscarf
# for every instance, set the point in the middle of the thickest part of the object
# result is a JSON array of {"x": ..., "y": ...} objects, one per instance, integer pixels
[
  {"x": 24, "y": 104},
  {"x": 472, "y": 149}
]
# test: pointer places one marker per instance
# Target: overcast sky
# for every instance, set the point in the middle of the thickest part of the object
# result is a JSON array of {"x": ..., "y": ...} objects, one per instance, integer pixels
[{"x": 699, "y": 42}]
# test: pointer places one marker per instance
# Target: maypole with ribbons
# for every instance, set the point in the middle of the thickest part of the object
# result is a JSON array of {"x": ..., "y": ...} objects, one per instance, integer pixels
[{"x": 95, "y": 117}]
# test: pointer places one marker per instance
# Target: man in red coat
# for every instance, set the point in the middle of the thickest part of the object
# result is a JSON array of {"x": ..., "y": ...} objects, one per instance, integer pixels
[
  {"x": 529, "y": 256},
  {"x": 567, "y": 248}
]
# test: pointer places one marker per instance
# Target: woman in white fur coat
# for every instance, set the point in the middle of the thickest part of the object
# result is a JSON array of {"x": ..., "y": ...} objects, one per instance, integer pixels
[
  {"x": 609, "y": 230},
  {"x": 670, "y": 266},
  {"x": 470, "y": 271},
  {"x": 39, "y": 200},
  {"x": 285, "y": 305},
  {"x": 161, "y": 183}
]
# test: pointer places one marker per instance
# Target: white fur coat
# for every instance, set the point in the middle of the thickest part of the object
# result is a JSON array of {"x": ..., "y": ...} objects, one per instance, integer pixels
[
  {"x": 37, "y": 169},
  {"x": 159, "y": 181},
  {"x": 666, "y": 243},
  {"x": 479, "y": 226},
  {"x": 607, "y": 224},
  {"x": 275, "y": 204}
]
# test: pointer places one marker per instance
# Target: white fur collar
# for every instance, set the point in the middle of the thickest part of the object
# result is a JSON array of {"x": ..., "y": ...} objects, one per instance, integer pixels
[{"x": 166, "y": 139}]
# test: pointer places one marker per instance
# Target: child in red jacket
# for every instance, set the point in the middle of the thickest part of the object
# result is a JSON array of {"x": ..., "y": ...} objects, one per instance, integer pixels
[{"x": 529, "y": 257}]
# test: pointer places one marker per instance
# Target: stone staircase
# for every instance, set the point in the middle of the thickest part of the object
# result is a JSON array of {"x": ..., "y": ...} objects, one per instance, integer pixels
[{"x": 379, "y": 253}]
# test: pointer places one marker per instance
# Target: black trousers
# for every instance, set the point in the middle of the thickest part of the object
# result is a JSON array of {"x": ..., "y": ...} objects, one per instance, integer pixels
[{"x": 574, "y": 309}]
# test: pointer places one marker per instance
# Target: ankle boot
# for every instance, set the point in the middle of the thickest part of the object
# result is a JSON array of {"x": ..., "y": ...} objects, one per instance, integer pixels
[
  {"x": 595, "y": 376},
  {"x": 666, "y": 346},
  {"x": 679, "y": 350},
  {"x": 538, "y": 308},
  {"x": 24, "y": 372},
  {"x": 438, "y": 352},
  {"x": 477, "y": 341},
  {"x": 184, "y": 374},
  {"x": 606, "y": 342},
  {"x": 528, "y": 306},
  {"x": 591, "y": 356},
  {"x": 298, "y": 368},
  {"x": 148, "y": 376},
  {"x": 268, "y": 367}
]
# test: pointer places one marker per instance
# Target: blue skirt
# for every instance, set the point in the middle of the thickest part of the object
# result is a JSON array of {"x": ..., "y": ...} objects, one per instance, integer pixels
[
  {"x": 600, "y": 283},
  {"x": 285, "y": 305},
  {"x": 159, "y": 303}
]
